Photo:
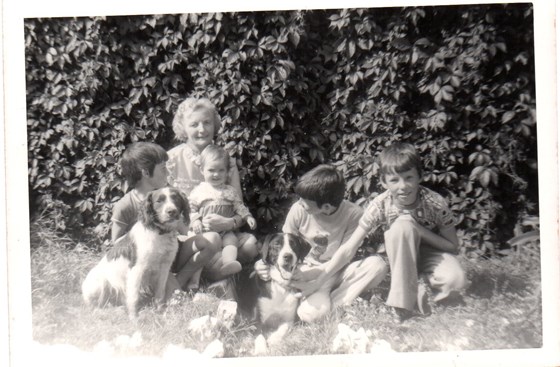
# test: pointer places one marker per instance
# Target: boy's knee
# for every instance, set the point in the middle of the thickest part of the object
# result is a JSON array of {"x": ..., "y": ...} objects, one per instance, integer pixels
[
  {"x": 376, "y": 266},
  {"x": 314, "y": 307},
  {"x": 403, "y": 226}
]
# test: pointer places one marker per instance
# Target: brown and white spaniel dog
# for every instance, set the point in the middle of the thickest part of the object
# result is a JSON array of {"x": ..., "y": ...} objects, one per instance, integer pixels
[
  {"x": 135, "y": 270},
  {"x": 277, "y": 302}
]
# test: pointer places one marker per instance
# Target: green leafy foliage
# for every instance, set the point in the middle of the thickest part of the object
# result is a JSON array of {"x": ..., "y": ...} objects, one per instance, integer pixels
[{"x": 294, "y": 89}]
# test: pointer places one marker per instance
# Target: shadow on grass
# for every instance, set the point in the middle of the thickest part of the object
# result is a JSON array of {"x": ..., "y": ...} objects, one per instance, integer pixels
[{"x": 487, "y": 282}]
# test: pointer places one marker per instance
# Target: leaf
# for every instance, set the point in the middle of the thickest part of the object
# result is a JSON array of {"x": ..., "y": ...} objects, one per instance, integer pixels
[
  {"x": 508, "y": 116},
  {"x": 484, "y": 178},
  {"x": 294, "y": 38},
  {"x": 401, "y": 44},
  {"x": 351, "y": 48}
]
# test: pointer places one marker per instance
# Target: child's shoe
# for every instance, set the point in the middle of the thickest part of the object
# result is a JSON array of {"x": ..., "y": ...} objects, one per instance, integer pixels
[
  {"x": 230, "y": 268},
  {"x": 400, "y": 315}
]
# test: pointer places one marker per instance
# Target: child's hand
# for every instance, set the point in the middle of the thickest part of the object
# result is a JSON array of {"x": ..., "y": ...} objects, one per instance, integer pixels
[
  {"x": 262, "y": 270},
  {"x": 197, "y": 226},
  {"x": 252, "y": 222}
]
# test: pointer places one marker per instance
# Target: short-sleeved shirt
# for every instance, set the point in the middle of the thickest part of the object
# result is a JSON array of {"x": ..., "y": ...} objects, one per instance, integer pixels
[
  {"x": 183, "y": 167},
  {"x": 206, "y": 199},
  {"x": 125, "y": 211},
  {"x": 431, "y": 212},
  {"x": 337, "y": 227}
]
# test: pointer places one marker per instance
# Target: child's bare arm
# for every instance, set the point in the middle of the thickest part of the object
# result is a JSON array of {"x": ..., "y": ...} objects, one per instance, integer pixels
[
  {"x": 345, "y": 252},
  {"x": 117, "y": 231},
  {"x": 446, "y": 240},
  {"x": 341, "y": 258},
  {"x": 183, "y": 228}
]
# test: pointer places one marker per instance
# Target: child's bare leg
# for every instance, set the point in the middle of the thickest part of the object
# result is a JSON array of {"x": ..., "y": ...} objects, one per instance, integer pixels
[
  {"x": 194, "y": 253},
  {"x": 230, "y": 265},
  {"x": 194, "y": 282},
  {"x": 248, "y": 248}
]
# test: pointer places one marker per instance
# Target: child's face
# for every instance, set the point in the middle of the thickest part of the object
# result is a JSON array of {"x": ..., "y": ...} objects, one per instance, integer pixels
[
  {"x": 403, "y": 186},
  {"x": 158, "y": 179},
  {"x": 215, "y": 172},
  {"x": 199, "y": 127},
  {"x": 312, "y": 208}
]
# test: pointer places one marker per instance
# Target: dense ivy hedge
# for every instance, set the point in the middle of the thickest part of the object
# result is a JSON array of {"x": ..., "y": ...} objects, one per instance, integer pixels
[{"x": 294, "y": 88}]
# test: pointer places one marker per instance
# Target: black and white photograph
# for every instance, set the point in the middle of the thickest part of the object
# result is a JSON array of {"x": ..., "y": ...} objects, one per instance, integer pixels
[{"x": 382, "y": 181}]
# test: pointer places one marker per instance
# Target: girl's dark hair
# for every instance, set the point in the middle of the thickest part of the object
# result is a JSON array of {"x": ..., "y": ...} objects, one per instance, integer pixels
[
  {"x": 139, "y": 157},
  {"x": 399, "y": 157},
  {"x": 324, "y": 184}
]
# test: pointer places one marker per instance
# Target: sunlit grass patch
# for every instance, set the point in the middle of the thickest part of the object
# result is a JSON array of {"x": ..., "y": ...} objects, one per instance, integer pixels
[{"x": 501, "y": 309}]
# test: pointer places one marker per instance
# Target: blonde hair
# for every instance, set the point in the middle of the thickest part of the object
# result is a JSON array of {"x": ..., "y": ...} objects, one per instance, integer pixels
[
  {"x": 189, "y": 106},
  {"x": 214, "y": 152}
]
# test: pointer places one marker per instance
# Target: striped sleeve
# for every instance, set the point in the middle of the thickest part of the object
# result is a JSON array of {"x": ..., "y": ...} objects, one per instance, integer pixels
[{"x": 372, "y": 217}]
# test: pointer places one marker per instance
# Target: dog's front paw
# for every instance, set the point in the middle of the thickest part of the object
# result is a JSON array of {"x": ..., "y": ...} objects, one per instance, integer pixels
[{"x": 277, "y": 336}]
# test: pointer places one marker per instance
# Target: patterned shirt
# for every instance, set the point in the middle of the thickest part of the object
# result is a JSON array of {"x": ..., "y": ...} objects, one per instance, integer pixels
[
  {"x": 431, "y": 212},
  {"x": 206, "y": 199}
]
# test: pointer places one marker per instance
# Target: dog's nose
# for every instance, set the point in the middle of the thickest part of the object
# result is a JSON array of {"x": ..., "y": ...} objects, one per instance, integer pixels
[
  {"x": 288, "y": 257},
  {"x": 172, "y": 212}
]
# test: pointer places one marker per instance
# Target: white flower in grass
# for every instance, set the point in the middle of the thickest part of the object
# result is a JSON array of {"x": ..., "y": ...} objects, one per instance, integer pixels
[
  {"x": 350, "y": 341},
  {"x": 203, "y": 327},
  {"x": 261, "y": 348},
  {"x": 214, "y": 350},
  {"x": 381, "y": 346},
  {"x": 125, "y": 342},
  {"x": 226, "y": 312}
]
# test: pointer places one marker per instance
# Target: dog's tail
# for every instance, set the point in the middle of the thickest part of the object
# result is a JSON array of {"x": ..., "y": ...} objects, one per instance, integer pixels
[{"x": 97, "y": 290}]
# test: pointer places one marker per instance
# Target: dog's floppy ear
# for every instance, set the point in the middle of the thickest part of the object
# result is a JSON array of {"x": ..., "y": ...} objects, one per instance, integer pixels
[
  {"x": 265, "y": 248},
  {"x": 184, "y": 206},
  {"x": 302, "y": 248},
  {"x": 147, "y": 212}
]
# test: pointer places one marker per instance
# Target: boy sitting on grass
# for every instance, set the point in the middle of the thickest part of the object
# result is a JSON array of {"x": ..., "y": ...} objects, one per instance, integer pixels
[
  {"x": 326, "y": 221},
  {"x": 143, "y": 165},
  {"x": 420, "y": 236}
]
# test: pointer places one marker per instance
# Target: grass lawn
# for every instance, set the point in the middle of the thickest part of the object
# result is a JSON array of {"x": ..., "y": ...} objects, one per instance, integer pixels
[{"x": 500, "y": 310}]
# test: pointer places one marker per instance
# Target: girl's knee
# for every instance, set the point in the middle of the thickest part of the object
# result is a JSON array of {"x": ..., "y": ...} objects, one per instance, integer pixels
[
  {"x": 314, "y": 307},
  {"x": 249, "y": 250},
  {"x": 210, "y": 241}
]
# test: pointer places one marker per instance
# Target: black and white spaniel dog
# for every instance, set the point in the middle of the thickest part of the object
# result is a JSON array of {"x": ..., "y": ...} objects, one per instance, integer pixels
[
  {"x": 135, "y": 270},
  {"x": 277, "y": 301}
]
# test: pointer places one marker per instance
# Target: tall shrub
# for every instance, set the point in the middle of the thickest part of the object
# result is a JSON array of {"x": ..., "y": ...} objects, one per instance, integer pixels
[{"x": 295, "y": 89}]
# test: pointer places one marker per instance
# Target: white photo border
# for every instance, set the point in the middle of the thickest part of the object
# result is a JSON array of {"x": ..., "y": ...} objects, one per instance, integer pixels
[{"x": 15, "y": 219}]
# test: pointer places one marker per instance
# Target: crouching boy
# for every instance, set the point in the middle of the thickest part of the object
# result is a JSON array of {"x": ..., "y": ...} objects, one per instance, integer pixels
[
  {"x": 420, "y": 236},
  {"x": 326, "y": 221}
]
